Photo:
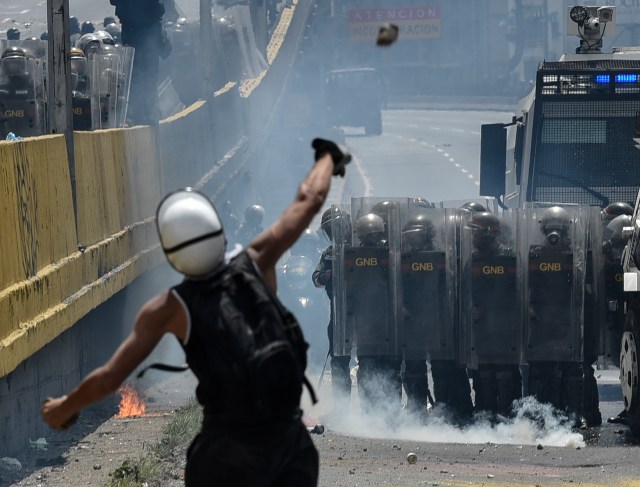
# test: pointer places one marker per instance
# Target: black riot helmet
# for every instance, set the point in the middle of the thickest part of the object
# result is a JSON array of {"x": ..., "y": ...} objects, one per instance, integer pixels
[
  {"x": 13, "y": 34},
  {"x": 370, "y": 230},
  {"x": 336, "y": 216},
  {"x": 115, "y": 31},
  {"x": 613, "y": 210},
  {"x": 382, "y": 209},
  {"x": 485, "y": 228},
  {"x": 74, "y": 25},
  {"x": 44, "y": 36},
  {"x": 254, "y": 215},
  {"x": 418, "y": 233},
  {"x": 14, "y": 61},
  {"x": 554, "y": 223},
  {"x": 473, "y": 207},
  {"x": 108, "y": 20},
  {"x": 35, "y": 46},
  {"x": 615, "y": 227},
  {"x": 87, "y": 27},
  {"x": 421, "y": 202}
]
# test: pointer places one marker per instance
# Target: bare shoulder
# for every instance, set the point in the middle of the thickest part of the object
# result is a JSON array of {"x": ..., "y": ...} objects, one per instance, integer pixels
[{"x": 165, "y": 313}]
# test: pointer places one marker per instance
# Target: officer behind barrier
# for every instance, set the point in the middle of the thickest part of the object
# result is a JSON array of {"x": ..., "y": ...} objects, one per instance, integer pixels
[
  {"x": 80, "y": 98},
  {"x": 423, "y": 274},
  {"x": 493, "y": 328},
  {"x": 323, "y": 278},
  {"x": 428, "y": 270},
  {"x": 20, "y": 111},
  {"x": 611, "y": 211},
  {"x": 556, "y": 372},
  {"x": 13, "y": 34},
  {"x": 276, "y": 450},
  {"x": 252, "y": 225},
  {"x": 368, "y": 300}
]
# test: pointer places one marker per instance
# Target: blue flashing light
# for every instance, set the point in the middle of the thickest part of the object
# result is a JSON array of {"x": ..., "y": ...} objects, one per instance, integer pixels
[
  {"x": 603, "y": 79},
  {"x": 626, "y": 78}
]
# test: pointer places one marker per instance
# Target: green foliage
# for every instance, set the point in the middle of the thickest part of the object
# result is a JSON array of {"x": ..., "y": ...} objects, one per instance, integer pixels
[
  {"x": 180, "y": 430},
  {"x": 148, "y": 469}
]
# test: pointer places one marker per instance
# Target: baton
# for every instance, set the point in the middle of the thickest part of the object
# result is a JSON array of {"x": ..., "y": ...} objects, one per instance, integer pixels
[{"x": 322, "y": 373}]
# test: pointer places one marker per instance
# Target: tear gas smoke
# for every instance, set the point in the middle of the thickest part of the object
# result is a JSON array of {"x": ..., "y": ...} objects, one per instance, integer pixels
[{"x": 533, "y": 423}]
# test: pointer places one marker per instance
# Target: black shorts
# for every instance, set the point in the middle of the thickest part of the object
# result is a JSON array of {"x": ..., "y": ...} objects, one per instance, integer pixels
[{"x": 271, "y": 456}]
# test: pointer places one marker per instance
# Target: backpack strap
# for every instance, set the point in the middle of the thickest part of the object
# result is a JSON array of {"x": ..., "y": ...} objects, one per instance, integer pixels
[{"x": 248, "y": 265}]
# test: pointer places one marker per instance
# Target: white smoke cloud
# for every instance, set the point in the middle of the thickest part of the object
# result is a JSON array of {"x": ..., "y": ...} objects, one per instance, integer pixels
[{"x": 532, "y": 424}]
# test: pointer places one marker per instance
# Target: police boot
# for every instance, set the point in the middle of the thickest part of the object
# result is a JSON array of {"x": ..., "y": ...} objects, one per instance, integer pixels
[
  {"x": 486, "y": 392},
  {"x": 509, "y": 390},
  {"x": 416, "y": 386},
  {"x": 545, "y": 383},
  {"x": 340, "y": 385},
  {"x": 573, "y": 388},
  {"x": 365, "y": 382},
  {"x": 591, "y": 398}
]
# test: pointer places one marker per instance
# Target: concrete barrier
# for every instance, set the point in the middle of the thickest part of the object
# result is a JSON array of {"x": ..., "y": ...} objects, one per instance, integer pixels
[{"x": 48, "y": 280}]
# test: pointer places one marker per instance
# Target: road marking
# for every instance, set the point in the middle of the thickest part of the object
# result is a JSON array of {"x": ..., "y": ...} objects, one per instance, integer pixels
[
  {"x": 24, "y": 12},
  {"x": 438, "y": 149},
  {"x": 363, "y": 174}
]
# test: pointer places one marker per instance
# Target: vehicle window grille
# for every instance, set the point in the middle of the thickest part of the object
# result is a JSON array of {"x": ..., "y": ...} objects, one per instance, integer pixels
[{"x": 586, "y": 147}]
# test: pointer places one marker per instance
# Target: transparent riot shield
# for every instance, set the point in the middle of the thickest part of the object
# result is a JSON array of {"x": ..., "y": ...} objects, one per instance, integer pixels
[
  {"x": 22, "y": 101},
  {"x": 80, "y": 92},
  {"x": 489, "y": 318},
  {"x": 124, "y": 83},
  {"x": 35, "y": 48},
  {"x": 341, "y": 238},
  {"x": 372, "y": 273},
  {"x": 473, "y": 204},
  {"x": 428, "y": 285},
  {"x": 595, "y": 315},
  {"x": 104, "y": 90},
  {"x": 556, "y": 250},
  {"x": 614, "y": 249}
]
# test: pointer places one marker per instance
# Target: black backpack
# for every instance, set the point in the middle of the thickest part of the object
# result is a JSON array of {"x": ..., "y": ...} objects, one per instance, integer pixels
[{"x": 260, "y": 354}]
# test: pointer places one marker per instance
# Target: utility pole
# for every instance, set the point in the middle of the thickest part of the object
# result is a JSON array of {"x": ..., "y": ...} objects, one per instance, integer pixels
[
  {"x": 59, "y": 101},
  {"x": 206, "y": 41}
]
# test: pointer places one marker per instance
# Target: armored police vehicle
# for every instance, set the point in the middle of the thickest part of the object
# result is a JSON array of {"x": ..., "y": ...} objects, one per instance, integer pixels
[{"x": 571, "y": 139}]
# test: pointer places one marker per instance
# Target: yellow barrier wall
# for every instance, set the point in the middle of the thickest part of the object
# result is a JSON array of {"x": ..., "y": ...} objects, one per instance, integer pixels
[{"x": 47, "y": 284}]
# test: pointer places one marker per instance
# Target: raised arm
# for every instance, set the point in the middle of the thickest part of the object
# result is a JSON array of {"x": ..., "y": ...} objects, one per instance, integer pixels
[{"x": 269, "y": 246}]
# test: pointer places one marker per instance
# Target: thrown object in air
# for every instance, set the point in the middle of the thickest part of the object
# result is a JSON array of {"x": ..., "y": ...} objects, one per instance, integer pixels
[
  {"x": 412, "y": 458},
  {"x": 387, "y": 35}
]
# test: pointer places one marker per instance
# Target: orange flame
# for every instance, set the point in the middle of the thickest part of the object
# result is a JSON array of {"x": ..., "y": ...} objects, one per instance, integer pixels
[{"x": 130, "y": 405}]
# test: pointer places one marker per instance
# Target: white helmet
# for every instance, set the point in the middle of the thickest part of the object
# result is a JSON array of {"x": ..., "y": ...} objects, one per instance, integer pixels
[{"x": 191, "y": 233}]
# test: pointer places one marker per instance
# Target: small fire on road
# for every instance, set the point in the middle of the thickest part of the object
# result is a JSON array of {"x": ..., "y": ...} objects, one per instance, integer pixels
[{"x": 131, "y": 405}]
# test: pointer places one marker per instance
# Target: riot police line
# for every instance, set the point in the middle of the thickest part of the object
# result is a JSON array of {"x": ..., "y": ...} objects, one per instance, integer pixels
[
  {"x": 520, "y": 302},
  {"x": 100, "y": 81}
]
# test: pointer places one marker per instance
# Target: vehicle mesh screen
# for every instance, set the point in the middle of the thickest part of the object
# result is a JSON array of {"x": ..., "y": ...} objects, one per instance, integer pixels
[{"x": 585, "y": 147}]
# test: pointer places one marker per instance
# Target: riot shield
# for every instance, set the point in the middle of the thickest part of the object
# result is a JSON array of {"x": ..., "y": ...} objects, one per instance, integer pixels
[
  {"x": 372, "y": 271},
  {"x": 489, "y": 204},
  {"x": 556, "y": 248},
  {"x": 125, "y": 66},
  {"x": 490, "y": 325},
  {"x": 104, "y": 90},
  {"x": 22, "y": 101},
  {"x": 341, "y": 239},
  {"x": 428, "y": 285},
  {"x": 109, "y": 87},
  {"x": 595, "y": 314}
]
